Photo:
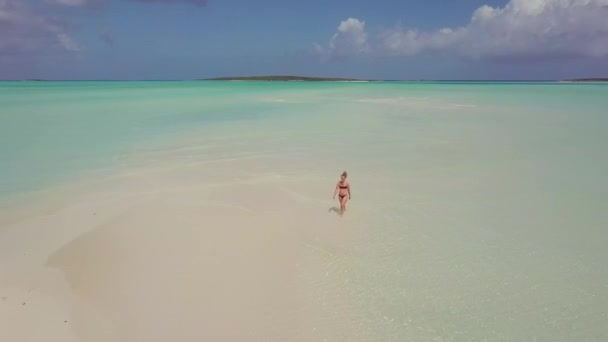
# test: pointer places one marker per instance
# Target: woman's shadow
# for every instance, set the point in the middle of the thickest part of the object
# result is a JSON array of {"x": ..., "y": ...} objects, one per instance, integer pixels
[{"x": 335, "y": 210}]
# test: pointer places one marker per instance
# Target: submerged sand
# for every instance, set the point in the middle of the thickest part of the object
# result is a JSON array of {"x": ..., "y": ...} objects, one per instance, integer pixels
[
  {"x": 168, "y": 259},
  {"x": 193, "y": 241}
]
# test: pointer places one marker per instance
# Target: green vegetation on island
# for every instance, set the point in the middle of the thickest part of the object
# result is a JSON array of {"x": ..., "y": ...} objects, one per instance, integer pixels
[
  {"x": 284, "y": 78},
  {"x": 587, "y": 80}
]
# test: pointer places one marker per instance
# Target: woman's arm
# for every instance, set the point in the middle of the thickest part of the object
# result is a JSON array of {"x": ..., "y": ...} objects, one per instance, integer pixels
[
  {"x": 336, "y": 190},
  {"x": 349, "y": 196}
]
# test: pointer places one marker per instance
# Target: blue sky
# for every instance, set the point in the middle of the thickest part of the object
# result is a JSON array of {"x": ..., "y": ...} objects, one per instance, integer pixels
[{"x": 381, "y": 39}]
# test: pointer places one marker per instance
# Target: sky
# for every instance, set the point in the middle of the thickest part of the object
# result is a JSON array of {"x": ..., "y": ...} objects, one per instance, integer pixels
[{"x": 373, "y": 39}]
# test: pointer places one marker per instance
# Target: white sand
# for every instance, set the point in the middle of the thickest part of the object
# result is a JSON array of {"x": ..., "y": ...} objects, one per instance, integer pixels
[{"x": 174, "y": 254}]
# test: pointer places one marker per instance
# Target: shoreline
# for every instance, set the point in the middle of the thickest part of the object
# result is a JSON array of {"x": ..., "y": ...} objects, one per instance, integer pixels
[{"x": 111, "y": 258}]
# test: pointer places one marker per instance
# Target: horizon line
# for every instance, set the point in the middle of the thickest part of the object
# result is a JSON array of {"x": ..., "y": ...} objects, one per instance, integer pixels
[{"x": 303, "y": 78}]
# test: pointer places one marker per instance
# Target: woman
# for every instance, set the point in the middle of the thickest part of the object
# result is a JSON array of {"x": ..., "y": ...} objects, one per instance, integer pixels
[{"x": 343, "y": 190}]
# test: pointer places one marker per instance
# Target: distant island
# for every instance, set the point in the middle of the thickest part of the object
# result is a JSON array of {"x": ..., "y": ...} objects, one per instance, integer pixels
[
  {"x": 587, "y": 80},
  {"x": 284, "y": 78}
]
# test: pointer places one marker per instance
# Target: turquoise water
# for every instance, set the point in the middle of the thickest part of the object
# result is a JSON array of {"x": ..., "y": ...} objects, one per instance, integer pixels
[
  {"x": 483, "y": 206},
  {"x": 50, "y": 131}
]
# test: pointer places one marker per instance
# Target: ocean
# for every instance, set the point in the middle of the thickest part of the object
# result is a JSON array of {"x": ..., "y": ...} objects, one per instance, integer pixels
[{"x": 479, "y": 209}]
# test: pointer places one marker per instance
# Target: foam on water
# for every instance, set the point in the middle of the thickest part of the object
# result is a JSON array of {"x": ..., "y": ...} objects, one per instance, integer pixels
[{"x": 479, "y": 209}]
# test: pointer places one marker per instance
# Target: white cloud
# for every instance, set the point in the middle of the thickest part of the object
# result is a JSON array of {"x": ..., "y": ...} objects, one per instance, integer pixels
[
  {"x": 351, "y": 39},
  {"x": 67, "y": 42},
  {"x": 23, "y": 31},
  {"x": 72, "y": 3},
  {"x": 522, "y": 29},
  {"x": 485, "y": 13}
]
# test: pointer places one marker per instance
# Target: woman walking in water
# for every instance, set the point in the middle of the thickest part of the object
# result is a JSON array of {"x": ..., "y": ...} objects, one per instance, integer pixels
[{"x": 343, "y": 190}]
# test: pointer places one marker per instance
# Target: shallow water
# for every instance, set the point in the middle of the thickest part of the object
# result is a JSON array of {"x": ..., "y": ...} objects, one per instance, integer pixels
[{"x": 480, "y": 208}]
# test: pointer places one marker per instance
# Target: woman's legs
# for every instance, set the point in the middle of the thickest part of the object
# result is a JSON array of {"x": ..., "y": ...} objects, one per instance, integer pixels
[{"x": 343, "y": 200}]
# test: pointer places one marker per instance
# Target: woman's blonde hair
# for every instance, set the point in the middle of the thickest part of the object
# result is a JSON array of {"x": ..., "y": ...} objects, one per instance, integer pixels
[{"x": 344, "y": 174}]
